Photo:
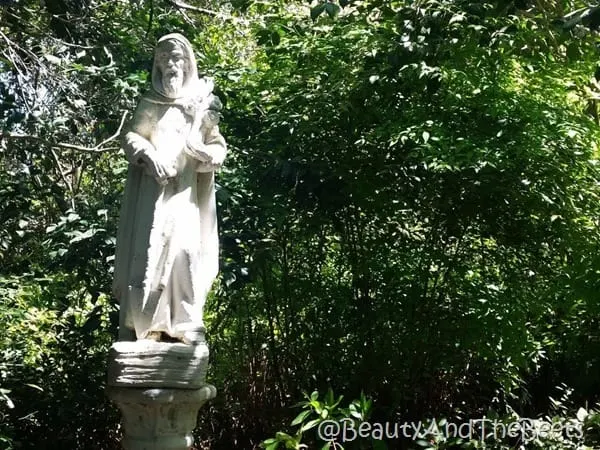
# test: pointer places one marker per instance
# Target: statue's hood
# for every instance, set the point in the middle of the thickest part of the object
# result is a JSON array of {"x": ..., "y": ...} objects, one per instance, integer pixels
[{"x": 192, "y": 87}]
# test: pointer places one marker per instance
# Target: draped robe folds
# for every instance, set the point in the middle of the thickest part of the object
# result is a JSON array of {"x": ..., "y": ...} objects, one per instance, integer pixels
[{"x": 167, "y": 242}]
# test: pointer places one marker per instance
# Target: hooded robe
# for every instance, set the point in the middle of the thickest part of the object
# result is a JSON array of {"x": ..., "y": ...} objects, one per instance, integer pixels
[{"x": 167, "y": 242}]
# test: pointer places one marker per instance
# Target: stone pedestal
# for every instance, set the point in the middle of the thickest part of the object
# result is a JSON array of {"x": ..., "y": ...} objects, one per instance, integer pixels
[
  {"x": 159, "y": 419},
  {"x": 159, "y": 388}
]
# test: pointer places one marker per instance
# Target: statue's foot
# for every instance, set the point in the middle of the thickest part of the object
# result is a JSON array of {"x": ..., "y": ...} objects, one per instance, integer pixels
[{"x": 154, "y": 335}]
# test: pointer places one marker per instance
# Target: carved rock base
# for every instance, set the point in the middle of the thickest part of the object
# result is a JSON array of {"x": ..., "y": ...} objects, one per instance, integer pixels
[
  {"x": 146, "y": 363},
  {"x": 159, "y": 419}
]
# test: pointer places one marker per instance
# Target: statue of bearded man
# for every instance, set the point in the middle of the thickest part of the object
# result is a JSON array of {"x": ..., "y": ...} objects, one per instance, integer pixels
[{"x": 167, "y": 243}]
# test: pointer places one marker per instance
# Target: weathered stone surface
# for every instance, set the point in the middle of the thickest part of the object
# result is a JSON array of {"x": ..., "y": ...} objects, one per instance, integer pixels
[
  {"x": 167, "y": 254},
  {"x": 159, "y": 419},
  {"x": 147, "y": 363}
]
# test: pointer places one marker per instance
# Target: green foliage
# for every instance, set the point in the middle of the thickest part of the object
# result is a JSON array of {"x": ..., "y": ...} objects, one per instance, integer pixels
[
  {"x": 550, "y": 432},
  {"x": 316, "y": 413},
  {"x": 415, "y": 188},
  {"x": 52, "y": 354},
  {"x": 349, "y": 428}
]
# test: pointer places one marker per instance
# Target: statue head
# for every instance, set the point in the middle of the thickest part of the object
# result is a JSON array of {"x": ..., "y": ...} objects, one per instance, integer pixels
[{"x": 174, "y": 73}]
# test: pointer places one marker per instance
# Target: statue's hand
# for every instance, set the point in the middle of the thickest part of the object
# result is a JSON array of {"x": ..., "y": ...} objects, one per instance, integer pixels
[
  {"x": 136, "y": 147},
  {"x": 197, "y": 150},
  {"x": 156, "y": 169},
  {"x": 217, "y": 159}
]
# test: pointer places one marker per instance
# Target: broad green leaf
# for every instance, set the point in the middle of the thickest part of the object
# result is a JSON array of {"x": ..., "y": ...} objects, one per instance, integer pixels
[
  {"x": 317, "y": 10},
  {"x": 332, "y": 9},
  {"x": 300, "y": 417}
]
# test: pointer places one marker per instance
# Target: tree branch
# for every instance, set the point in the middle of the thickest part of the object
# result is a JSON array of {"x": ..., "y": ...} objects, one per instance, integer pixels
[
  {"x": 97, "y": 149},
  {"x": 63, "y": 176},
  {"x": 64, "y": 145},
  {"x": 181, "y": 5}
]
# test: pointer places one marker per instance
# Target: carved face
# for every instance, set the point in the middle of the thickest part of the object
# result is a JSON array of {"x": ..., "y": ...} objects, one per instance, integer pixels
[
  {"x": 171, "y": 61},
  {"x": 174, "y": 72}
]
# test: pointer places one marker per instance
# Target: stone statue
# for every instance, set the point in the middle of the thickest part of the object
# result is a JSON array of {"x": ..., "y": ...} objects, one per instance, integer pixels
[
  {"x": 167, "y": 243},
  {"x": 167, "y": 254}
]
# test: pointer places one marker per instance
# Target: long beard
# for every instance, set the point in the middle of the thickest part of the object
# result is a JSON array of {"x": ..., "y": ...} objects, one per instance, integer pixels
[{"x": 172, "y": 83}]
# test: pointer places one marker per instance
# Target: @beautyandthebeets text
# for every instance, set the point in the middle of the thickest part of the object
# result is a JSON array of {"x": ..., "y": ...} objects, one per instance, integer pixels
[{"x": 525, "y": 430}]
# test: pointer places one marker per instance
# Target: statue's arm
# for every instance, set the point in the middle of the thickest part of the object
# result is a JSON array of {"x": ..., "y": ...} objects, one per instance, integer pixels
[
  {"x": 134, "y": 139},
  {"x": 216, "y": 147},
  {"x": 139, "y": 149}
]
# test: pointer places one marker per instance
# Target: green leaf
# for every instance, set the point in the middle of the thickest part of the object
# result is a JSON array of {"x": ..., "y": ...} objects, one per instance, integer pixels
[
  {"x": 300, "y": 417},
  {"x": 317, "y": 10},
  {"x": 310, "y": 424},
  {"x": 356, "y": 414},
  {"x": 332, "y": 9},
  {"x": 457, "y": 18},
  {"x": 79, "y": 236},
  {"x": 283, "y": 437},
  {"x": 329, "y": 397},
  {"x": 317, "y": 406},
  {"x": 338, "y": 401}
]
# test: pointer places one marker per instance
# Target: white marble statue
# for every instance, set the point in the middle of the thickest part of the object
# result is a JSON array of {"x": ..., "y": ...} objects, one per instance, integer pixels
[{"x": 167, "y": 243}]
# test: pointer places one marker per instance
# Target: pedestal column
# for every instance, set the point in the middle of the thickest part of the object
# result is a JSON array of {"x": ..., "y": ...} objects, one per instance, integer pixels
[{"x": 159, "y": 388}]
